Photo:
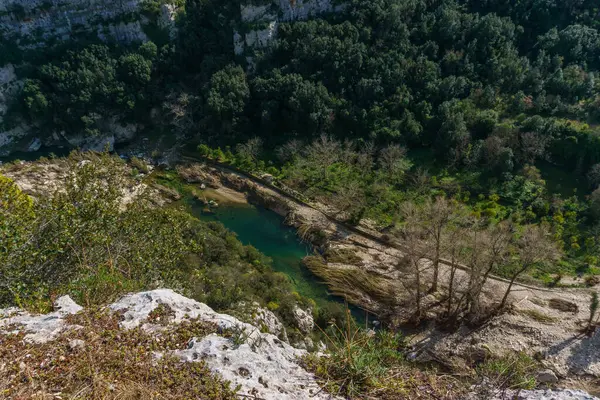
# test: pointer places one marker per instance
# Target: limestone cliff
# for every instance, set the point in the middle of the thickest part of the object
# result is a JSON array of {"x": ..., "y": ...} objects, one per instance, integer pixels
[
  {"x": 34, "y": 22},
  {"x": 260, "y": 22}
]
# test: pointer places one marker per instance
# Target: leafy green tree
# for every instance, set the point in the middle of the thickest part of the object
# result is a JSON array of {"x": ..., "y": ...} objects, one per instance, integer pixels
[{"x": 228, "y": 94}]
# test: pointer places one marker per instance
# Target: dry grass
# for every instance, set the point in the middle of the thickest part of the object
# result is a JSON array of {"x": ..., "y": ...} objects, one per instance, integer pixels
[
  {"x": 538, "y": 316},
  {"x": 362, "y": 365},
  {"x": 351, "y": 284},
  {"x": 342, "y": 256},
  {"x": 109, "y": 363}
]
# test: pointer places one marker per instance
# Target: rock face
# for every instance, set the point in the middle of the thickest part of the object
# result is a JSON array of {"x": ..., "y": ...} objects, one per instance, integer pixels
[
  {"x": 264, "y": 20},
  {"x": 265, "y": 320},
  {"x": 40, "y": 20},
  {"x": 304, "y": 320},
  {"x": 39, "y": 328},
  {"x": 264, "y": 366}
]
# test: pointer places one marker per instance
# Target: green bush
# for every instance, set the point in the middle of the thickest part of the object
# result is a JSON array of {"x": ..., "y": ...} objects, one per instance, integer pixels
[
  {"x": 512, "y": 371},
  {"x": 359, "y": 361}
]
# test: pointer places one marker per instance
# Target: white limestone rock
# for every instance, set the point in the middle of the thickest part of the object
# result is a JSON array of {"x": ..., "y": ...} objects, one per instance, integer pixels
[
  {"x": 272, "y": 14},
  {"x": 547, "y": 394},
  {"x": 262, "y": 38},
  {"x": 9, "y": 87},
  {"x": 166, "y": 20},
  {"x": 42, "y": 20},
  {"x": 35, "y": 145},
  {"x": 92, "y": 143},
  {"x": 10, "y": 137},
  {"x": 39, "y": 328},
  {"x": 264, "y": 319},
  {"x": 261, "y": 364},
  {"x": 304, "y": 320},
  {"x": 267, "y": 369},
  {"x": 122, "y": 32},
  {"x": 303, "y": 9},
  {"x": 251, "y": 13},
  {"x": 137, "y": 307}
]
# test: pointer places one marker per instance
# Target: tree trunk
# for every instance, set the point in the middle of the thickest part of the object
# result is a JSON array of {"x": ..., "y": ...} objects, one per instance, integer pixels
[
  {"x": 436, "y": 271},
  {"x": 512, "y": 281},
  {"x": 436, "y": 268},
  {"x": 451, "y": 288},
  {"x": 418, "y": 284}
]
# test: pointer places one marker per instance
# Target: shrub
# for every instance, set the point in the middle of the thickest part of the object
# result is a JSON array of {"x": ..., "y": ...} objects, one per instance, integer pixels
[{"x": 140, "y": 165}]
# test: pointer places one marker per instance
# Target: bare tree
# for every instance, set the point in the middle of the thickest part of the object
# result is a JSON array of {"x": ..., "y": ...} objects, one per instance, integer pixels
[
  {"x": 364, "y": 158},
  {"x": 290, "y": 150},
  {"x": 392, "y": 161},
  {"x": 180, "y": 109},
  {"x": 323, "y": 153},
  {"x": 534, "y": 246},
  {"x": 476, "y": 244},
  {"x": 454, "y": 249},
  {"x": 436, "y": 216},
  {"x": 251, "y": 149},
  {"x": 413, "y": 235},
  {"x": 419, "y": 180},
  {"x": 492, "y": 245},
  {"x": 350, "y": 199}
]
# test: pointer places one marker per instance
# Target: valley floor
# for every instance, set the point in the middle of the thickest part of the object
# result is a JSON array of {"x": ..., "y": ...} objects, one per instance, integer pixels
[{"x": 543, "y": 322}]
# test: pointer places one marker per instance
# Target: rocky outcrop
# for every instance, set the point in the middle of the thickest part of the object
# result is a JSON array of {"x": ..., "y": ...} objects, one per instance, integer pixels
[
  {"x": 547, "y": 394},
  {"x": 261, "y": 364},
  {"x": 264, "y": 319},
  {"x": 39, "y": 328},
  {"x": 263, "y": 21},
  {"x": 36, "y": 21},
  {"x": 304, "y": 320}
]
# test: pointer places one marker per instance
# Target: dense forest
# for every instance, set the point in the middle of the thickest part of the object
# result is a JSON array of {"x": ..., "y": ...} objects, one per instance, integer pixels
[{"x": 493, "y": 103}]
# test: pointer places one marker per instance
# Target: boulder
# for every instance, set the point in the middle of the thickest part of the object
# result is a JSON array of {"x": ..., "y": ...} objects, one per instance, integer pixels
[
  {"x": 304, "y": 320},
  {"x": 546, "y": 376},
  {"x": 39, "y": 328}
]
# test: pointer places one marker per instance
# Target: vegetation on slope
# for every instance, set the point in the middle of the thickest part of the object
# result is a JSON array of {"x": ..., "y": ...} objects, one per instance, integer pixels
[{"x": 84, "y": 241}]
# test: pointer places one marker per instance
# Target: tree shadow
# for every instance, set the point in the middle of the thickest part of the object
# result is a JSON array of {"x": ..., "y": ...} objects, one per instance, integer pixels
[{"x": 585, "y": 353}]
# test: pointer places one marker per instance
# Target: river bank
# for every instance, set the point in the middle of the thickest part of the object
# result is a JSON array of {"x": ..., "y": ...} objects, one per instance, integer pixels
[{"x": 367, "y": 273}]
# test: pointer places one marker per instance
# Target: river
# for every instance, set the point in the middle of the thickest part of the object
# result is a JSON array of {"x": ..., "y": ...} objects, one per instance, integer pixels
[{"x": 265, "y": 230}]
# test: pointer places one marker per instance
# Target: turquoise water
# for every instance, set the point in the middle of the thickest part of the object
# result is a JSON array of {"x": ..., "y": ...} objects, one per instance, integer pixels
[{"x": 265, "y": 230}]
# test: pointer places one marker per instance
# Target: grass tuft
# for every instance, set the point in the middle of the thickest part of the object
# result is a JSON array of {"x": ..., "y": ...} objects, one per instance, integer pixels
[
  {"x": 512, "y": 371},
  {"x": 538, "y": 316},
  {"x": 365, "y": 364}
]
